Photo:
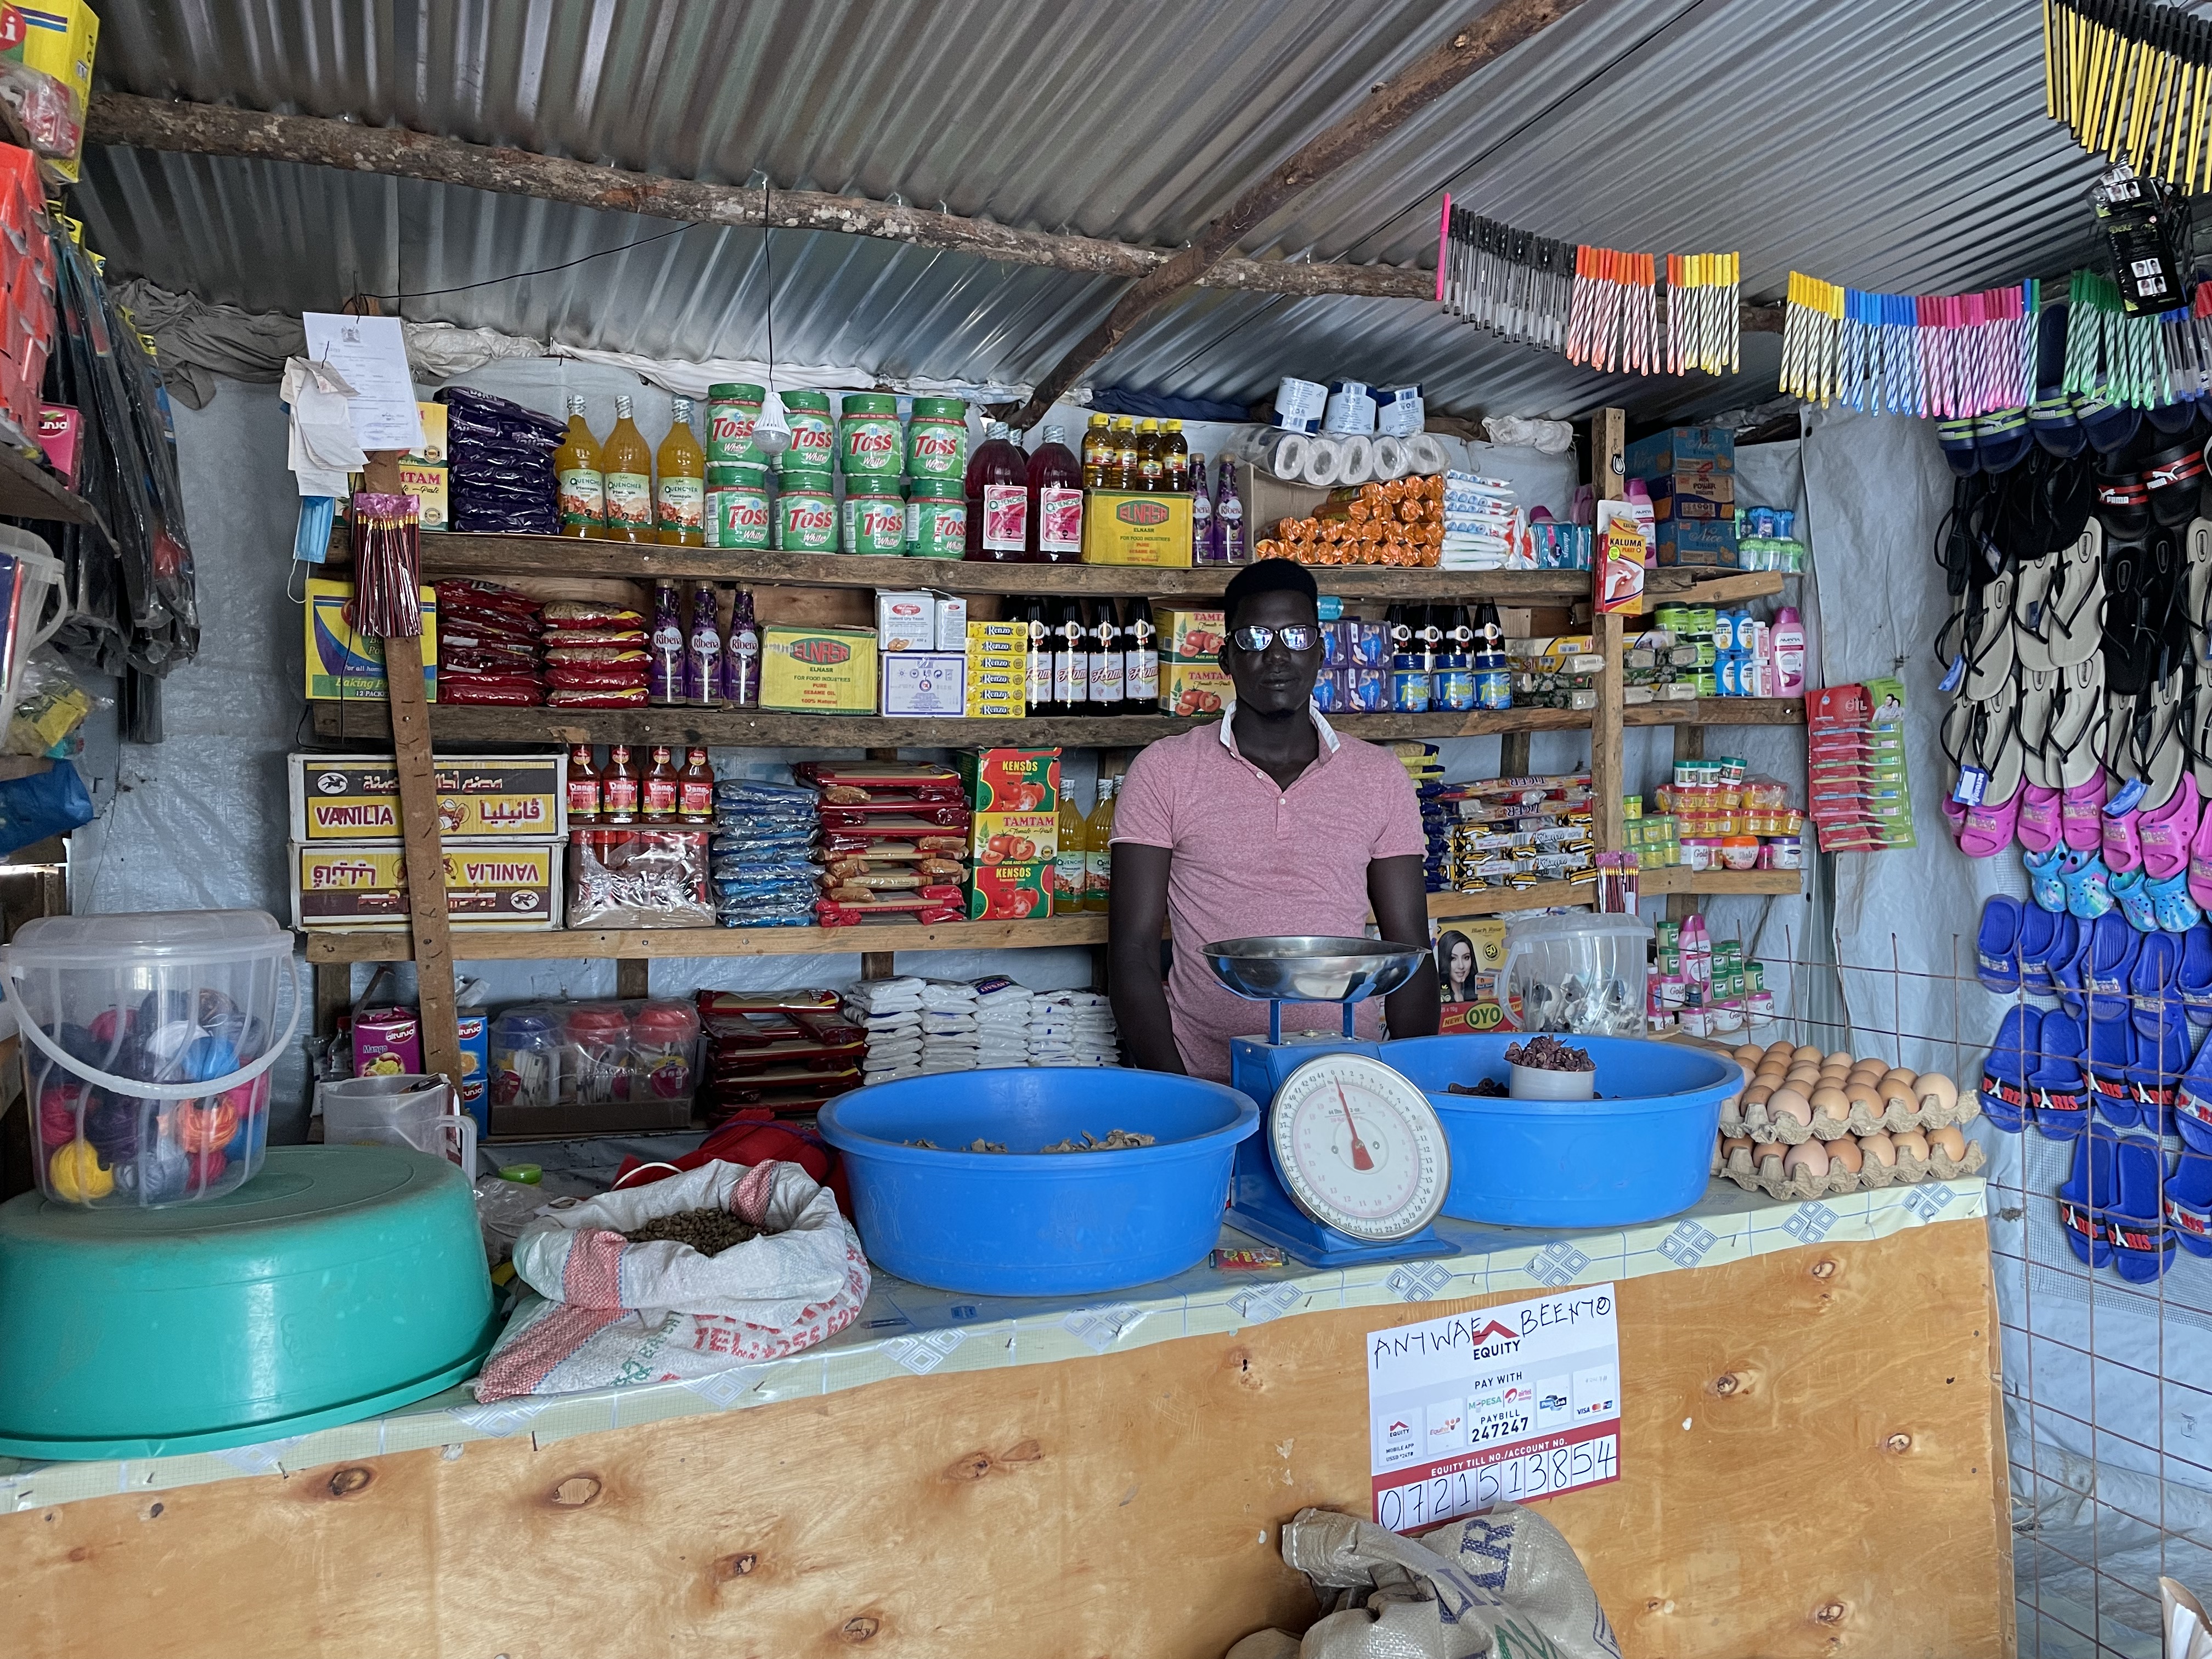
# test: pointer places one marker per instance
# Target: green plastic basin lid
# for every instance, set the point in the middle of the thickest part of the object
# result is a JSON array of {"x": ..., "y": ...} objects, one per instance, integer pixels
[
  {"x": 736, "y": 391},
  {"x": 871, "y": 402},
  {"x": 940, "y": 409},
  {"x": 816, "y": 401}
]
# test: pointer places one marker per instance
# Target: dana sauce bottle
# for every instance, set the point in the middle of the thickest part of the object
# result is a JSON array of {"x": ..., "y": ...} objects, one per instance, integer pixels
[
  {"x": 695, "y": 788},
  {"x": 998, "y": 492},
  {"x": 583, "y": 787},
  {"x": 1055, "y": 502}
]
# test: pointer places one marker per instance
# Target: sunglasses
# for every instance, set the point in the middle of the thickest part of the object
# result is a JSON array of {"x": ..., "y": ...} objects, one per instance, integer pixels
[{"x": 1298, "y": 636}]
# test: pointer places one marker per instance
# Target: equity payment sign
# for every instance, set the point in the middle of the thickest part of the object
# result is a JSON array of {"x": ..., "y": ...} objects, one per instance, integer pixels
[{"x": 1518, "y": 1401}]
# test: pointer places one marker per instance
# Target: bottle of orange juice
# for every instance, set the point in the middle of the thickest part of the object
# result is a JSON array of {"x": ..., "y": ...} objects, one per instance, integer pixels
[
  {"x": 576, "y": 467},
  {"x": 627, "y": 468},
  {"x": 1098, "y": 849},
  {"x": 1068, "y": 864},
  {"x": 680, "y": 495}
]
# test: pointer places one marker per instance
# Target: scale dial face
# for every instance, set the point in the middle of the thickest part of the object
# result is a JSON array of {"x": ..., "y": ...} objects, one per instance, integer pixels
[{"x": 1359, "y": 1148}]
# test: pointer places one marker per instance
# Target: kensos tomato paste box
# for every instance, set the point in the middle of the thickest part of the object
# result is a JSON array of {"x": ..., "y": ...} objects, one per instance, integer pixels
[{"x": 1014, "y": 795}]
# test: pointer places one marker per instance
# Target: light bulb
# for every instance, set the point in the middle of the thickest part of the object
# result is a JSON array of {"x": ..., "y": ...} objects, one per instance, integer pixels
[{"x": 771, "y": 432}]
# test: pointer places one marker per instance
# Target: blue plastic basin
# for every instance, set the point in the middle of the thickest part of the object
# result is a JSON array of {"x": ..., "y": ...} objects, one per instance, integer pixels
[
  {"x": 1642, "y": 1151},
  {"x": 1025, "y": 1223}
]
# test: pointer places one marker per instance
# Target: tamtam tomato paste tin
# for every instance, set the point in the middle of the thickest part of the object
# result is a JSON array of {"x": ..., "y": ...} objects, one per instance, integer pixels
[
  {"x": 869, "y": 445},
  {"x": 737, "y": 506},
  {"x": 875, "y": 517},
  {"x": 813, "y": 434},
  {"x": 806, "y": 514},
  {"x": 936, "y": 439},
  {"x": 732, "y": 412},
  {"x": 937, "y": 520}
]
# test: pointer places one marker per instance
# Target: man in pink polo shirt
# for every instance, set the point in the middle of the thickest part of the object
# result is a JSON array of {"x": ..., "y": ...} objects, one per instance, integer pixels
[{"x": 1268, "y": 822}]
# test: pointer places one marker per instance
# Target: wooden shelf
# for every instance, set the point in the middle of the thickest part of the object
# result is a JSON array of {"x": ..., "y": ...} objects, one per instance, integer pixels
[
  {"x": 370, "y": 723},
  {"x": 453, "y": 553},
  {"x": 27, "y": 491},
  {"x": 1720, "y": 883}
]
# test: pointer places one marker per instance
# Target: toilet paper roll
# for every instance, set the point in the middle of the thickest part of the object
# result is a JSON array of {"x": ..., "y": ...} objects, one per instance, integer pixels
[
  {"x": 1322, "y": 459},
  {"x": 1287, "y": 456},
  {"x": 1390, "y": 460},
  {"x": 1358, "y": 465},
  {"x": 1425, "y": 453}
]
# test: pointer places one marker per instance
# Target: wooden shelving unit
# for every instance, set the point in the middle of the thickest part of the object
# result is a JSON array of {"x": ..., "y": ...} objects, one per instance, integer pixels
[
  {"x": 370, "y": 723},
  {"x": 562, "y": 559},
  {"x": 27, "y": 491}
]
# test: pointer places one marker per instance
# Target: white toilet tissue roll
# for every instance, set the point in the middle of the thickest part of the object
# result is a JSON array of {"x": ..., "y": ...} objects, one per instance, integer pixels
[
  {"x": 1390, "y": 460},
  {"x": 1425, "y": 453},
  {"x": 1323, "y": 460},
  {"x": 1286, "y": 457},
  {"x": 1358, "y": 465}
]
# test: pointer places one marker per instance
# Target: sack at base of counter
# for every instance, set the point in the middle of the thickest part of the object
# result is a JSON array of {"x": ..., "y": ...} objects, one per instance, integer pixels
[
  {"x": 1504, "y": 1581},
  {"x": 609, "y": 1312}
]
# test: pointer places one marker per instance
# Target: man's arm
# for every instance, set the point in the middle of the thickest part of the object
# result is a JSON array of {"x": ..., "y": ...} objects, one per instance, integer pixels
[
  {"x": 1401, "y": 902},
  {"x": 1136, "y": 914}
]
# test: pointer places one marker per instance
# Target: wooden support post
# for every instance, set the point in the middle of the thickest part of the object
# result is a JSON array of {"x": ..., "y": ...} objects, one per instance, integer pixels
[
  {"x": 633, "y": 977},
  {"x": 1513, "y": 755},
  {"x": 333, "y": 994},
  {"x": 428, "y": 920},
  {"x": 1607, "y": 439},
  {"x": 879, "y": 964}
]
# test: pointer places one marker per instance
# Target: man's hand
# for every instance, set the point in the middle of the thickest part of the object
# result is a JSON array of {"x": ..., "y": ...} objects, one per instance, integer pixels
[
  {"x": 1400, "y": 899},
  {"x": 1137, "y": 914}
]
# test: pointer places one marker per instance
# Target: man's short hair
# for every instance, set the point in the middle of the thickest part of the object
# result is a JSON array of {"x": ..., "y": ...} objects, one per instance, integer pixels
[{"x": 1267, "y": 576}]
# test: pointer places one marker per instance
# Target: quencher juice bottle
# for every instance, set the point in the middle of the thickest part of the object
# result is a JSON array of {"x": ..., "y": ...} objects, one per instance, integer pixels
[
  {"x": 583, "y": 490},
  {"x": 1067, "y": 866},
  {"x": 1098, "y": 848},
  {"x": 627, "y": 465},
  {"x": 680, "y": 495}
]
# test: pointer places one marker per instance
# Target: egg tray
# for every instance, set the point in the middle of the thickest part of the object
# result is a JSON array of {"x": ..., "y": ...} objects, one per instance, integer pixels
[
  {"x": 1788, "y": 1132},
  {"x": 1908, "y": 1171}
]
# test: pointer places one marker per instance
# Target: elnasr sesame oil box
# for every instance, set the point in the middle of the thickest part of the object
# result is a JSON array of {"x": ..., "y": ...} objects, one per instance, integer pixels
[{"x": 1135, "y": 528}]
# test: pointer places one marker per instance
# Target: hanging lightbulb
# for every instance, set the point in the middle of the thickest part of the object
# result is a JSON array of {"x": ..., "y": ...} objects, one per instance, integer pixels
[{"x": 771, "y": 432}]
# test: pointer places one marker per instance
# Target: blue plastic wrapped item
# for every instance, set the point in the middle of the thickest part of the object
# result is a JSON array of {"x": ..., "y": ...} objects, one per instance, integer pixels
[
  {"x": 731, "y": 868},
  {"x": 741, "y": 792},
  {"x": 49, "y": 803}
]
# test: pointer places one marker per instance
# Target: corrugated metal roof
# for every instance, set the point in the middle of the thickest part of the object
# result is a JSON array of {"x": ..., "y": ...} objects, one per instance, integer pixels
[{"x": 1886, "y": 144}]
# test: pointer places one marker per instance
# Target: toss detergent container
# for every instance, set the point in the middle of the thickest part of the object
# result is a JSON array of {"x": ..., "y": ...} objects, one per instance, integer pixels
[{"x": 147, "y": 1043}]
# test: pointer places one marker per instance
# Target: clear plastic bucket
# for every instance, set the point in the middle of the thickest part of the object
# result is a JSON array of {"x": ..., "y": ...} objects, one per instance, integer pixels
[
  {"x": 147, "y": 1041},
  {"x": 1584, "y": 974}
]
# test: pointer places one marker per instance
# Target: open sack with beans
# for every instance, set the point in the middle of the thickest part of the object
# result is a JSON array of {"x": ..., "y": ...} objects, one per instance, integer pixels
[{"x": 721, "y": 1266}]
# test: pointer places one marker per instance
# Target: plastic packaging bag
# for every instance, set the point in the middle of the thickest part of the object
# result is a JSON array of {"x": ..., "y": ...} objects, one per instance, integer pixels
[
  {"x": 52, "y": 703},
  {"x": 502, "y": 457},
  {"x": 608, "y": 1311},
  {"x": 52, "y": 803},
  {"x": 638, "y": 878}
]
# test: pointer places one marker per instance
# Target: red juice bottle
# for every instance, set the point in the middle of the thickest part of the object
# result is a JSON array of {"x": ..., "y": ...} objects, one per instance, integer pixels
[
  {"x": 997, "y": 489},
  {"x": 1055, "y": 504}
]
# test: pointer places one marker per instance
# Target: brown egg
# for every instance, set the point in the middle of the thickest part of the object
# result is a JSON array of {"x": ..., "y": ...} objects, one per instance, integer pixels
[
  {"x": 1750, "y": 1054},
  {"x": 1806, "y": 1051},
  {"x": 1770, "y": 1075},
  {"x": 1842, "y": 1057},
  {"x": 1949, "y": 1141},
  {"x": 1764, "y": 1151},
  {"x": 1781, "y": 1047},
  {"x": 1879, "y": 1148},
  {"x": 1936, "y": 1090},
  {"x": 1896, "y": 1089},
  {"x": 1911, "y": 1143},
  {"x": 1731, "y": 1145},
  {"x": 1791, "y": 1103},
  {"x": 1757, "y": 1094},
  {"x": 1866, "y": 1072},
  {"x": 1863, "y": 1097},
  {"x": 1807, "y": 1160},
  {"x": 1831, "y": 1102},
  {"x": 1844, "y": 1154},
  {"x": 1833, "y": 1076},
  {"x": 1803, "y": 1077}
]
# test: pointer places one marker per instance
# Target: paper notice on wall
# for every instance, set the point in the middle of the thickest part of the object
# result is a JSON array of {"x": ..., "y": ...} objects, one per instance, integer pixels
[
  {"x": 371, "y": 352},
  {"x": 1521, "y": 1402}
]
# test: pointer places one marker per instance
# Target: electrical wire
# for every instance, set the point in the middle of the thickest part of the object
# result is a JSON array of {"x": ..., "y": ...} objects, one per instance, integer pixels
[{"x": 546, "y": 270}]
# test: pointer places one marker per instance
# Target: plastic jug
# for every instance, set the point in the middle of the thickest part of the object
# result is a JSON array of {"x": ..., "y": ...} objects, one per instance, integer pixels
[
  {"x": 1583, "y": 973},
  {"x": 402, "y": 1109}
]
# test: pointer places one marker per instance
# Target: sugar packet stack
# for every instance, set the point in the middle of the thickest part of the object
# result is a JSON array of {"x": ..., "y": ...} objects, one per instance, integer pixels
[
  {"x": 1483, "y": 528},
  {"x": 948, "y": 1026},
  {"x": 1002, "y": 1022},
  {"x": 1072, "y": 1028},
  {"x": 889, "y": 1010}
]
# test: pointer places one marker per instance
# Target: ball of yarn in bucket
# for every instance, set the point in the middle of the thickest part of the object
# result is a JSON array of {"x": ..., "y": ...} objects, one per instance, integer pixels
[
  {"x": 157, "y": 1175},
  {"x": 111, "y": 1126},
  {"x": 206, "y": 1170},
  {"x": 204, "y": 1127},
  {"x": 58, "y": 1106},
  {"x": 77, "y": 1175}
]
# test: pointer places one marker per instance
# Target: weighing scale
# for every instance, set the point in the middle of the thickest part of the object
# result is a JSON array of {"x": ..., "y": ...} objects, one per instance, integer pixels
[{"x": 1351, "y": 1164}]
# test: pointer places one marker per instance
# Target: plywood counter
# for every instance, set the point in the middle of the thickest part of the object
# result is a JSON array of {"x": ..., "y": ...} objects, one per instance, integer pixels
[{"x": 1810, "y": 1464}]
